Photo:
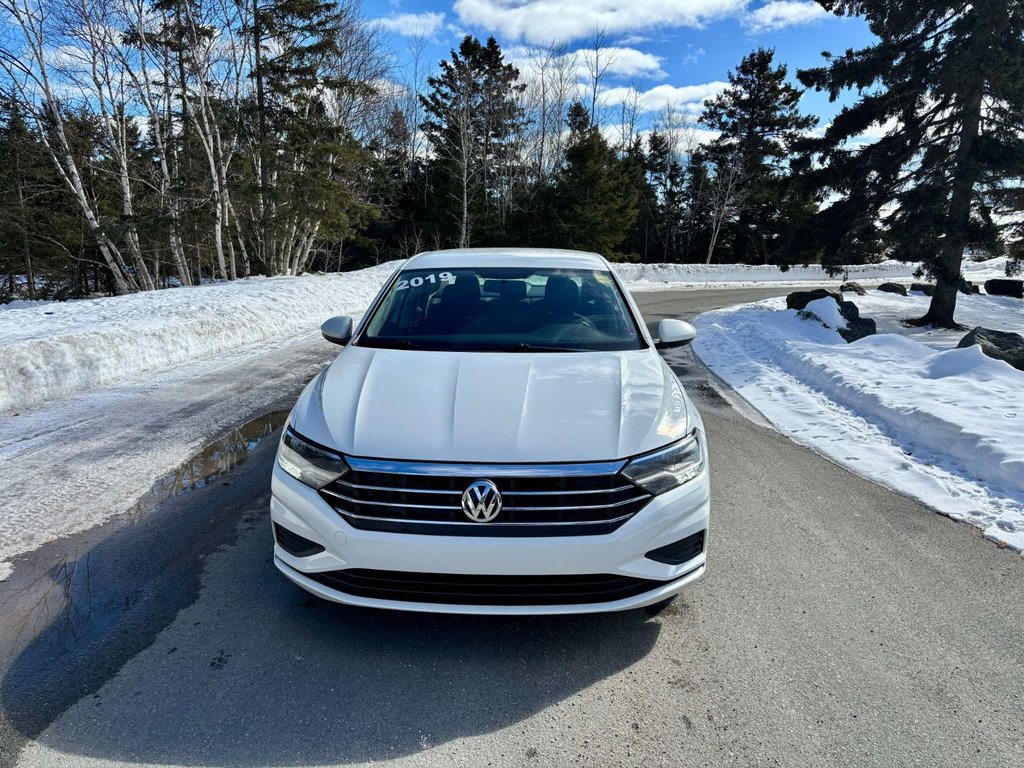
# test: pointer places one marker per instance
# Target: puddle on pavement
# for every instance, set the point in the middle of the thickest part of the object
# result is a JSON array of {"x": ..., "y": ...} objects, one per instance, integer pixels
[
  {"x": 55, "y": 585},
  {"x": 214, "y": 461}
]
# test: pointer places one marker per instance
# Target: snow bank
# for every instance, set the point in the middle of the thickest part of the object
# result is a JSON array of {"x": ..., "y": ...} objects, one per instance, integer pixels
[
  {"x": 945, "y": 427},
  {"x": 661, "y": 276},
  {"x": 55, "y": 350}
]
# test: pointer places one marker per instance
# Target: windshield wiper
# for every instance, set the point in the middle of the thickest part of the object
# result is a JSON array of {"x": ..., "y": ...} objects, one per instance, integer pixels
[
  {"x": 392, "y": 343},
  {"x": 524, "y": 346}
]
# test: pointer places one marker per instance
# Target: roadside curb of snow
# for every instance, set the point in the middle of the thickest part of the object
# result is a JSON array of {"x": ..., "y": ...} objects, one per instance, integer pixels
[
  {"x": 804, "y": 410},
  {"x": 76, "y": 346}
]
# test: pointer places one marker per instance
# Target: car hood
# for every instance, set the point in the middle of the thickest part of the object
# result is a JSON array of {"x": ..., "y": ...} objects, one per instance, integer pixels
[{"x": 493, "y": 407}]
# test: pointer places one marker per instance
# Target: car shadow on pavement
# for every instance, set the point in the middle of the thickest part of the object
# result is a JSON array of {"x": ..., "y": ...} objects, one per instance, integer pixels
[{"x": 257, "y": 672}]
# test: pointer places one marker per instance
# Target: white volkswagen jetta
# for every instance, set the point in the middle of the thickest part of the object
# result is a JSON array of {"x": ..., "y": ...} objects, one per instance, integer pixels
[{"x": 499, "y": 436}]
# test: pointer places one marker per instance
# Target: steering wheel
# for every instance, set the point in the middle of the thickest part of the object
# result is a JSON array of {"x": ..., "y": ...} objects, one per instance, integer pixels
[{"x": 584, "y": 320}]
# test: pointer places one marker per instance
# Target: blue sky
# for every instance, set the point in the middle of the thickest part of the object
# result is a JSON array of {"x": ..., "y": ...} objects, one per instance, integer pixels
[{"x": 669, "y": 50}]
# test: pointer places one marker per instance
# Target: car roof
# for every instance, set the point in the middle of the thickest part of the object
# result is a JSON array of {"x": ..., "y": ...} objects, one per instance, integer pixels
[{"x": 550, "y": 258}]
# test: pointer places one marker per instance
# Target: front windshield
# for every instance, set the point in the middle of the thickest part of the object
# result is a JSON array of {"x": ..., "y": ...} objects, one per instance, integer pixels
[{"x": 494, "y": 309}]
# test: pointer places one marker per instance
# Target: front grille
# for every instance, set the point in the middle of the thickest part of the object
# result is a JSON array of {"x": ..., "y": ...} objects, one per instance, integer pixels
[
  {"x": 537, "y": 500},
  {"x": 457, "y": 589}
]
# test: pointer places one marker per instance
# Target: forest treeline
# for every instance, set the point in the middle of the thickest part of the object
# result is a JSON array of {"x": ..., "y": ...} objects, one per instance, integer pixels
[{"x": 148, "y": 143}]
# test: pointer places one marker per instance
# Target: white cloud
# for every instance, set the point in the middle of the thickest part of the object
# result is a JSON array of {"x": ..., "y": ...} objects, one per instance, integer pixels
[
  {"x": 413, "y": 24},
  {"x": 543, "y": 21},
  {"x": 617, "y": 61},
  {"x": 689, "y": 98},
  {"x": 693, "y": 55},
  {"x": 779, "y": 14},
  {"x": 627, "y": 62},
  {"x": 875, "y": 131},
  {"x": 688, "y": 140}
]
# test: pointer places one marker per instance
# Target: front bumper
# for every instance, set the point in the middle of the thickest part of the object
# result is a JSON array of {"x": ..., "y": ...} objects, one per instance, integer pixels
[{"x": 667, "y": 518}]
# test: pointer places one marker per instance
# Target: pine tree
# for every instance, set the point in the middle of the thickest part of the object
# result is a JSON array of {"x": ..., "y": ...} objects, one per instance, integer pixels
[
  {"x": 694, "y": 202},
  {"x": 666, "y": 178},
  {"x": 299, "y": 148},
  {"x": 593, "y": 202},
  {"x": 946, "y": 80},
  {"x": 473, "y": 120},
  {"x": 758, "y": 118}
]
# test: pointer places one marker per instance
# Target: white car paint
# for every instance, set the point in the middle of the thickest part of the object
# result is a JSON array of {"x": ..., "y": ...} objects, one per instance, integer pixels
[{"x": 496, "y": 408}]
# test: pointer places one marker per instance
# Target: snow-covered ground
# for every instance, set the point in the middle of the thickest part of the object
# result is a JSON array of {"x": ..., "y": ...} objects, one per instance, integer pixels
[
  {"x": 904, "y": 408},
  {"x": 657, "y": 277}
]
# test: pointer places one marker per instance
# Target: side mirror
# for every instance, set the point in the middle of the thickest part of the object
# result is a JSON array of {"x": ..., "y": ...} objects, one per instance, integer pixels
[
  {"x": 674, "y": 333},
  {"x": 337, "y": 330}
]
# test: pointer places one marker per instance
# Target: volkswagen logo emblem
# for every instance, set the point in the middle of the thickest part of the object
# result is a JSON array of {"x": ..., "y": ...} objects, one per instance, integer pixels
[{"x": 481, "y": 501}]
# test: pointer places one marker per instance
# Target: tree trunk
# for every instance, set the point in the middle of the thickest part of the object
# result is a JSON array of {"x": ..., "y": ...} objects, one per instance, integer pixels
[
  {"x": 947, "y": 269},
  {"x": 30, "y": 280},
  {"x": 267, "y": 215}
]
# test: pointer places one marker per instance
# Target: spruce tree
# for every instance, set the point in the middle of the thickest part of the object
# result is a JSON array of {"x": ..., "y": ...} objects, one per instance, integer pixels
[
  {"x": 594, "y": 203},
  {"x": 946, "y": 80},
  {"x": 666, "y": 178},
  {"x": 694, "y": 201},
  {"x": 473, "y": 120},
  {"x": 758, "y": 117}
]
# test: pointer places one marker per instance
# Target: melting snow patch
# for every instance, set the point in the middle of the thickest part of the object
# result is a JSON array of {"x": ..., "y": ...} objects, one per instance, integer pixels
[{"x": 945, "y": 427}]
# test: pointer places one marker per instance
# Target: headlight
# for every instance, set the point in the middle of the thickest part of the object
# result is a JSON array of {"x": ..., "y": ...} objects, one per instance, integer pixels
[
  {"x": 667, "y": 468},
  {"x": 308, "y": 463}
]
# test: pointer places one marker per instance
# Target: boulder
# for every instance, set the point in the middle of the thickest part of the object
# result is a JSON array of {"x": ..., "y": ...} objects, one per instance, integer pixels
[
  {"x": 1005, "y": 287},
  {"x": 800, "y": 299},
  {"x": 857, "y": 327},
  {"x": 966, "y": 286},
  {"x": 998, "y": 344},
  {"x": 893, "y": 288},
  {"x": 851, "y": 287},
  {"x": 927, "y": 290}
]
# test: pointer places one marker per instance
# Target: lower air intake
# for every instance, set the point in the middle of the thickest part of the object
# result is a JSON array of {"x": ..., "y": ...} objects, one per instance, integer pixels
[
  {"x": 458, "y": 589},
  {"x": 296, "y": 545},
  {"x": 679, "y": 551}
]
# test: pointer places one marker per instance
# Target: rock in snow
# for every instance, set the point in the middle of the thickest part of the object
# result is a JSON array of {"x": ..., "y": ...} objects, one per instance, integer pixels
[
  {"x": 1005, "y": 287},
  {"x": 852, "y": 287},
  {"x": 841, "y": 316},
  {"x": 997, "y": 344},
  {"x": 893, "y": 288},
  {"x": 857, "y": 327},
  {"x": 967, "y": 287},
  {"x": 800, "y": 299},
  {"x": 925, "y": 288}
]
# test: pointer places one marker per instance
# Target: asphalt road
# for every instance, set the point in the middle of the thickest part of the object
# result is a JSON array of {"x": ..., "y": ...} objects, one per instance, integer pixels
[{"x": 839, "y": 624}]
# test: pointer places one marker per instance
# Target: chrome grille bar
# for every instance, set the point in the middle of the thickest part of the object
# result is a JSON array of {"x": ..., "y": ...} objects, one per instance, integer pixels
[
  {"x": 458, "y": 492},
  {"x": 435, "y": 469},
  {"x": 425, "y": 498},
  {"x": 403, "y": 504}
]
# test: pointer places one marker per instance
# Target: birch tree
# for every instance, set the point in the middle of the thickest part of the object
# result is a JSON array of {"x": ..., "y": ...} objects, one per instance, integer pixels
[{"x": 27, "y": 61}]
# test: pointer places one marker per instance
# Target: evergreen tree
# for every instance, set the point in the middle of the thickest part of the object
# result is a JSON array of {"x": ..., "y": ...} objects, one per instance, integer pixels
[
  {"x": 947, "y": 81},
  {"x": 473, "y": 123},
  {"x": 694, "y": 202},
  {"x": 758, "y": 117},
  {"x": 301, "y": 151},
  {"x": 666, "y": 178},
  {"x": 593, "y": 202}
]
